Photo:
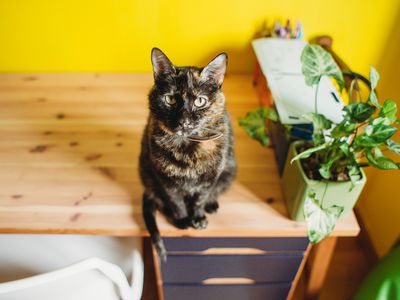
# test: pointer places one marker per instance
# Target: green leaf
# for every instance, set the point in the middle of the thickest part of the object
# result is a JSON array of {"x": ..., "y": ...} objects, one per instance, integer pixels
[
  {"x": 320, "y": 221},
  {"x": 359, "y": 112},
  {"x": 373, "y": 77},
  {"x": 369, "y": 129},
  {"x": 378, "y": 152},
  {"x": 308, "y": 152},
  {"x": 375, "y": 135},
  {"x": 389, "y": 110},
  {"x": 325, "y": 171},
  {"x": 325, "y": 168},
  {"x": 316, "y": 62},
  {"x": 366, "y": 141},
  {"x": 318, "y": 138},
  {"x": 320, "y": 123},
  {"x": 344, "y": 128},
  {"x": 393, "y": 146},
  {"x": 374, "y": 99},
  {"x": 381, "y": 120},
  {"x": 355, "y": 176},
  {"x": 260, "y": 135},
  {"x": 272, "y": 114},
  {"x": 381, "y": 162},
  {"x": 382, "y": 132},
  {"x": 254, "y": 123},
  {"x": 345, "y": 149}
]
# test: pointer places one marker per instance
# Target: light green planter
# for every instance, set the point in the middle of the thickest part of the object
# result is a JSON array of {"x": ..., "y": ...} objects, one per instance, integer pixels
[{"x": 296, "y": 186}]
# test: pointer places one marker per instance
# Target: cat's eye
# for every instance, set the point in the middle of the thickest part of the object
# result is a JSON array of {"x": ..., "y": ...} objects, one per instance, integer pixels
[
  {"x": 200, "y": 102},
  {"x": 169, "y": 100}
]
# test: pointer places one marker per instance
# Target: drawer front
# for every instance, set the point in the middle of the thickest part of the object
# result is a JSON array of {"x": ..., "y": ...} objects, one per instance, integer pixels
[
  {"x": 265, "y": 244},
  {"x": 231, "y": 292},
  {"x": 259, "y": 268}
]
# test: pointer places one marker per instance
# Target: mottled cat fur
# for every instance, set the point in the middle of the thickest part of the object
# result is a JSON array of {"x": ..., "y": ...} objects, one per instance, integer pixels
[{"x": 183, "y": 178}]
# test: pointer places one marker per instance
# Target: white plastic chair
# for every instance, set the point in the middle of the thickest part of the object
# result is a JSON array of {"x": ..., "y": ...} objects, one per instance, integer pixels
[{"x": 90, "y": 278}]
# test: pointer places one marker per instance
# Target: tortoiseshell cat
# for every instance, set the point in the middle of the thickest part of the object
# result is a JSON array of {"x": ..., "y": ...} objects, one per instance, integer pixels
[{"x": 187, "y": 158}]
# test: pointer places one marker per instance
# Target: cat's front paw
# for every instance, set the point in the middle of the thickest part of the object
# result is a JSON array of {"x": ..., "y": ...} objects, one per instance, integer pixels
[
  {"x": 183, "y": 223},
  {"x": 199, "y": 222},
  {"x": 211, "y": 207}
]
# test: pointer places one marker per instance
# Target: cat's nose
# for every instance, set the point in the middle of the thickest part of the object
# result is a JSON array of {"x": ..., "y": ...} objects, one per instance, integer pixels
[{"x": 185, "y": 124}]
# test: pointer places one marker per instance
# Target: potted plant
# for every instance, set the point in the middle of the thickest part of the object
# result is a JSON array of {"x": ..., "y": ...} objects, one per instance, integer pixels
[{"x": 322, "y": 178}]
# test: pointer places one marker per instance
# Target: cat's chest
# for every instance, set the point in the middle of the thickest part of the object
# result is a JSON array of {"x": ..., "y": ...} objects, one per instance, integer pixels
[{"x": 190, "y": 162}]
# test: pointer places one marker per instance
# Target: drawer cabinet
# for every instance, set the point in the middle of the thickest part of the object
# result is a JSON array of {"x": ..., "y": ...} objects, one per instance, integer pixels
[
  {"x": 178, "y": 244},
  {"x": 258, "y": 268},
  {"x": 231, "y": 292},
  {"x": 231, "y": 268}
]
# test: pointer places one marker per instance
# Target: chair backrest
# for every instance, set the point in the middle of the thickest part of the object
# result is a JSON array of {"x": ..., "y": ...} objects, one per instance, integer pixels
[
  {"x": 90, "y": 279},
  {"x": 23, "y": 256}
]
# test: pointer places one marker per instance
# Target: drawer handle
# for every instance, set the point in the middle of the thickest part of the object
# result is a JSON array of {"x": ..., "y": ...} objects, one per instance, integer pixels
[
  {"x": 233, "y": 251},
  {"x": 233, "y": 280}
]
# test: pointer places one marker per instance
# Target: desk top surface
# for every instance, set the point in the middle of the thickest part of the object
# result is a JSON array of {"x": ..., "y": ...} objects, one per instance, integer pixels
[{"x": 69, "y": 161}]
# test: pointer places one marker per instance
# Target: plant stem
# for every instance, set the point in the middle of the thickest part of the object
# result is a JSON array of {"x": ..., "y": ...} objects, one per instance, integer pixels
[
  {"x": 354, "y": 136},
  {"x": 323, "y": 196},
  {"x": 361, "y": 153},
  {"x": 316, "y": 98}
]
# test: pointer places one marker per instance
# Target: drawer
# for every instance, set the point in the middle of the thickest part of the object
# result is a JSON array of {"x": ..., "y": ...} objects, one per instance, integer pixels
[
  {"x": 258, "y": 268},
  {"x": 222, "y": 292},
  {"x": 186, "y": 244}
]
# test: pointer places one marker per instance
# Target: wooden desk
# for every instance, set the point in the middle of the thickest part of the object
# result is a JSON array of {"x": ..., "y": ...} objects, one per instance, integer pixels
[{"x": 69, "y": 155}]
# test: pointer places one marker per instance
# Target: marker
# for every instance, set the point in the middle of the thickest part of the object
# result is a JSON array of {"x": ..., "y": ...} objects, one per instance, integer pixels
[
  {"x": 294, "y": 32},
  {"x": 300, "y": 33},
  {"x": 288, "y": 29},
  {"x": 282, "y": 32},
  {"x": 276, "y": 31}
]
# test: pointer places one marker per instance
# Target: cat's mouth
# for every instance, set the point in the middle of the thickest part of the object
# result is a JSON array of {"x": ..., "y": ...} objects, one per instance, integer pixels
[
  {"x": 198, "y": 138},
  {"x": 209, "y": 136}
]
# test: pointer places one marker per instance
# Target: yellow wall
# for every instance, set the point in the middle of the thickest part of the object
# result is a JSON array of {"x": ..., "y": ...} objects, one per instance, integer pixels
[
  {"x": 379, "y": 204},
  {"x": 117, "y": 35}
]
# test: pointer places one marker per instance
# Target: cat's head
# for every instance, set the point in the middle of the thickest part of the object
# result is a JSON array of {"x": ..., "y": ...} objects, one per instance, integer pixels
[{"x": 187, "y": 100}]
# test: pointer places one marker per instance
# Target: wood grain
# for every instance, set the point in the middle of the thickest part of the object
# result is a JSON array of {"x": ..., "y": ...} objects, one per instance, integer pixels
[
  {"x": 295, "y": 289},
  {"x": 69, "y": 157},
  {"x": 318, "y": 266}
]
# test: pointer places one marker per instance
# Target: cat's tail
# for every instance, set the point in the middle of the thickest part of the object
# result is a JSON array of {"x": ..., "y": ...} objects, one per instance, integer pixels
[{"x": 149, "y": 212}]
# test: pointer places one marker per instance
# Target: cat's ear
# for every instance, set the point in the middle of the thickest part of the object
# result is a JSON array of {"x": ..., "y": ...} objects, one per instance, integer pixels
[
  {"x": 215, "y": 70},
  {"x": 161, "y": 63}
]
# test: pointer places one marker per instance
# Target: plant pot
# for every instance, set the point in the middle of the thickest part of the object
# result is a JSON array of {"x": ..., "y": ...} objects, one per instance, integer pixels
[
  {"x": 296, "y": 186},
  {"x": 282, "y": 137}
]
